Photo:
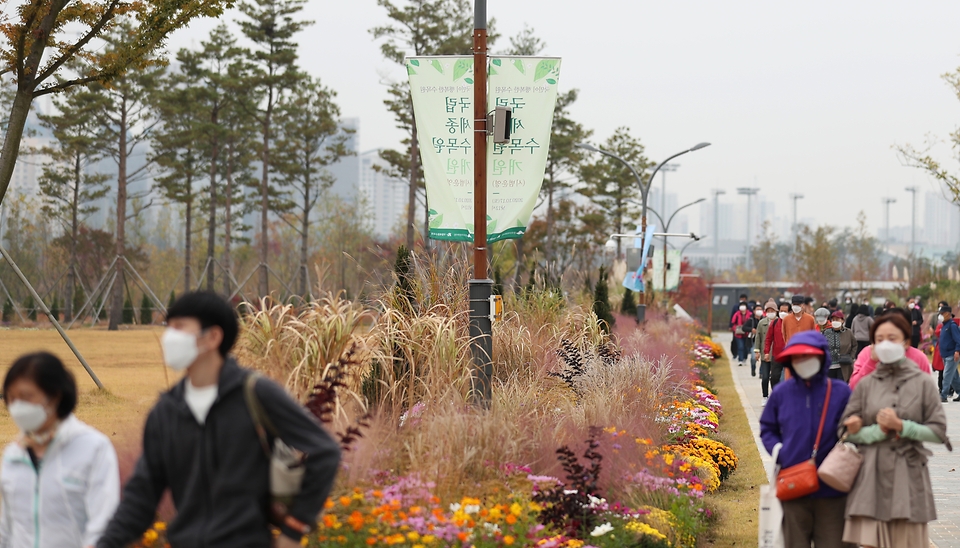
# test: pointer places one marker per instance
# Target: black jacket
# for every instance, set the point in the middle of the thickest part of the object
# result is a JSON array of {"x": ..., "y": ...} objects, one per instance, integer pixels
[{"x": 218, "y": 473}]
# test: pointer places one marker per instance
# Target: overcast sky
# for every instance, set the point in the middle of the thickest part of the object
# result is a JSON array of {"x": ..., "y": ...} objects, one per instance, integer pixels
[{"x": 806, "y": 97}]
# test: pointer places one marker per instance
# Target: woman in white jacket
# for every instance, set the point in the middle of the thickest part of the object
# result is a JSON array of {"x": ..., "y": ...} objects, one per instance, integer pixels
[{"x": 59, "y": 481}]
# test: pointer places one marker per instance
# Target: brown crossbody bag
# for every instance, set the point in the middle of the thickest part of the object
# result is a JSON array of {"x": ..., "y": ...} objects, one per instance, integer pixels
[{"x": 801, "y": 479}]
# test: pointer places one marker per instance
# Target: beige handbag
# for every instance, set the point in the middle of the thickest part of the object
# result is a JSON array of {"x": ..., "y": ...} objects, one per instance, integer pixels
[
  {"x": 286, "y": 463},
  {"x": 839, "y": 470}
]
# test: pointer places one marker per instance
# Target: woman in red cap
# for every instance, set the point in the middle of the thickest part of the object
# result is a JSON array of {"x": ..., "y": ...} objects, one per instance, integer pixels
[{"x": 792, "y": 419}]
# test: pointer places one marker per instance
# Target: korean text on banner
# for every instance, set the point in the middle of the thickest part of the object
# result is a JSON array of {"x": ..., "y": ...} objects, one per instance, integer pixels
[
  {"x": 442, "y": 93},
  {"x": 673, "y": 272}
]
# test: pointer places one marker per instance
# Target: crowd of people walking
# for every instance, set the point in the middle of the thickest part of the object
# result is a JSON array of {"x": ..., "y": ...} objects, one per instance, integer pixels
[{"x": 853, "y": 378}]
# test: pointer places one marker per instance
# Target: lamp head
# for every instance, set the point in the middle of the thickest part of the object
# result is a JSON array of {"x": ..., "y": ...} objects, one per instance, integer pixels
[
  {"x": 587, "y": 146},
  {"x": 698, "y": 146},
  {"x": 611, "y": 245}
]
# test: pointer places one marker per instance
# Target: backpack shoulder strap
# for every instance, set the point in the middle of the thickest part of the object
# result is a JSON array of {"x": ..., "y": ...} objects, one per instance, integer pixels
[{"x": 261, "y": 422}]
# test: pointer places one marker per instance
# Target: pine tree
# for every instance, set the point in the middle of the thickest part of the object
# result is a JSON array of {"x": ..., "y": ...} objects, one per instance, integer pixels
[
  {"x": 402, "y": 269},
  {"x": 146, "y": 310},
  {"x": 601, "y": 301},
  {"x": 79, "y": 298},
  {"x": 310, "y": 138},
  {"x": 55, "y": 308},
  {"x": 272, "y": 73},
  {"x": 70, "y": 192},
  {"x": 127, "y": 121},
  {"x": 7, "y": 311},
  {"x": 611, "y": 186},
  {"x": 31, "y": 307},
  {"x": 171, "y": 300},
  {"x": 128, "y": 312},
  {"x": 629, "y": 304}
]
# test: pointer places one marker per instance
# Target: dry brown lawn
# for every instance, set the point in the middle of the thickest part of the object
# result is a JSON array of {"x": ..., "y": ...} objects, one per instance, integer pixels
[{"x": 128, "y": 363}]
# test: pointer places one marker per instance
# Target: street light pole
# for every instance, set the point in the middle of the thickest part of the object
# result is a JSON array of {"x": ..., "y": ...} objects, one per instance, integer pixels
[
  {"x": 481, "y": 286},
  {"x": 663, "y": 185},
  {"x": 644, "y": 187},
  {"x": 796, "y": 226},
  {"x": 716, "y": 227},
  {"x": 886, "y": 230},
  {"x": 913, "y": 219},
  {"x": 666, "y": 229},
  {"x": 749, "y": 193}
]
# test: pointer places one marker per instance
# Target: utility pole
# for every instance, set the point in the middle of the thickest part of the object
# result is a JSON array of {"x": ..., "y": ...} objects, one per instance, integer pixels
[
  {"x": 663, "y": 186},
  {"x": 481, "y": 286},
  {"x": 913, "y": 219},
  {"x": 886, "y": 230},
  {"x": 749, "y": 192},
  {"x": 796, "y": 225},
  {"x": 716, "y": 227}
]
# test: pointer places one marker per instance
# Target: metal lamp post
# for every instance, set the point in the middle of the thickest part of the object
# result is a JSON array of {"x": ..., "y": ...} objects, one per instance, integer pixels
[
  {"x": 716, "y": 227},
  {"x": 666, "y": 229},
  {"x": 644, "y": 187},
  {"x": 749, "y": 193},
  {"x": 913, "y": 219},
  {"x": 886, "y": 230}
]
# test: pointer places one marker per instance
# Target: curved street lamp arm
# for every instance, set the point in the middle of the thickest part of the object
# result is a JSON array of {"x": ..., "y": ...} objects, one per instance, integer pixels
[
  {"x": 679, "y": 209},
  {"x": 659, "y": 218}
]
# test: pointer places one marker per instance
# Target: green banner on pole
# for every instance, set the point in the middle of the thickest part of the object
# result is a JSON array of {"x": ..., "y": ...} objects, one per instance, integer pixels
[{"x": 442, "y": 92}]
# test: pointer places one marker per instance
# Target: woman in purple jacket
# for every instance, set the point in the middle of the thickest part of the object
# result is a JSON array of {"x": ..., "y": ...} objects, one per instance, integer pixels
[{"x": 792, "y": 418}]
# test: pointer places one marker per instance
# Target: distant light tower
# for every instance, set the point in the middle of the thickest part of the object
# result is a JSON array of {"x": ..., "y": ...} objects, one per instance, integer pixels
[
  {"x": 886, "y": 231},
  {"x": 716, "y": 227},
  {"x": 796, "y": 225},
  {"x": 663, "y": 185},
  {"x": 749, "y": 192},
  {"x": 913, "y": 219}
]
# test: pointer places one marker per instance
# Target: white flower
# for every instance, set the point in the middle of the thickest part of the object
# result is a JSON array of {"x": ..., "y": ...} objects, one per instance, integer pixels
[
  {"x": 491, "y": 527},
  {"x": 569, "y": 491},
  {"x": 601, "y": 530},
  {"x": 595, "y": 502},
  {"x": 471, "y": 509},
  {"x": 455, "y": 507}
]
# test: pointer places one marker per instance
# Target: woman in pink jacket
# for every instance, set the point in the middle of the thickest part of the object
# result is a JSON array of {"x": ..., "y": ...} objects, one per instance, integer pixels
[{"x": 867, "y": 361}]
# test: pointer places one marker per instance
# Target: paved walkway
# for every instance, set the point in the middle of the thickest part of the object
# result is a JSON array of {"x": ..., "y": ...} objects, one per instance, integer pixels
[{"x": 944, "y": 466}]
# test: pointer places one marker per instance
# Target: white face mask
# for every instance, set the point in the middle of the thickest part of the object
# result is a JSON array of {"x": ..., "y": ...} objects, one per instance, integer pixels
[
  {"x": 179, "y": 348},
  {"x": 889, "y": 351},
  {"x": 836, "y": 324},
  {"x": 28, "y": 416},
  {"x": 797, "y": 309},
  {"x": 940, "y": 318},
  {"x": 806, "y": 367},
  {"x": 783, "y": 315},
  {"x": 821, "y": 321},
  {"x": 771, "y": 315},
  {"x": 912, "y": 306},
  {"x": 758, "y": 313},
  {"x": 743, "y": 308}
]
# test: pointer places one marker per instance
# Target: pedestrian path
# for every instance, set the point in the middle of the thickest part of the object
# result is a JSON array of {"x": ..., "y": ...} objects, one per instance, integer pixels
[{"x": 944, "y": 466}]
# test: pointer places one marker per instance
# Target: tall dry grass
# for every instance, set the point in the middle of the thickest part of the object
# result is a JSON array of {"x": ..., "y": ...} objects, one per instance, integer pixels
[{"x": 416, "y": 379}]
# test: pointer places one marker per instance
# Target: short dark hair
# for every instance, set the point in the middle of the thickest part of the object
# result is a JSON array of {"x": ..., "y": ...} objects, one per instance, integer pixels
[
  {"x": 210, "y": 309},
  {"x": 49, "y": 374},
  {"x": 863, "y": 309},
  {"x": 783, "y": 304},
  {"x": 743, "y": 295},
  {"x": 947, "y": 310},
  {"x": 808, "y": 300},
  {"x": 896, "y": 319},
  {"x": 832, "y": 302}
]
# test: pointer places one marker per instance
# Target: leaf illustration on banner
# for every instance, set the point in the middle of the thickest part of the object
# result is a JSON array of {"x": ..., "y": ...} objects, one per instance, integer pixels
[
  {"x": 491, "y": 226},
  {"x": 520, "y": 224},
  {"x": 410, "y": 70},
  {"x": 436, "y": 64},
  {"x": 493, "y": 71},
  {"x": 437, "y": 222},
  {"x": 544, "y": 68},
  {"x": 461, "y": 67},
  {"x": 468, "y": 80},
  {"x": 551, "y": 81},
  {"x": 470, "y": 227},
  {"x": 519, "y": 64},
  {"x": 432, "y": 212},
  {"x": 497, "y": 62},
  {"x": 415, "y": 62}
]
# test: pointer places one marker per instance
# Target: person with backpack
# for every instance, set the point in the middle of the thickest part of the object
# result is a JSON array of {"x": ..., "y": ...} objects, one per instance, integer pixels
[
  {"x": 773, "y": 344},
  {"x": 763, "y": 326},
  {"x": 750, "y": 328},
  {"x": 203, "y": 443},
  {"x": 740, "y": 331},
  {"x": 937, "y": 358}
]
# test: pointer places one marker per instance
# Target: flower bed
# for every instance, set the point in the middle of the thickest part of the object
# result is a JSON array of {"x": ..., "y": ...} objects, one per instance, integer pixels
[{"x": 640, "y": 478}]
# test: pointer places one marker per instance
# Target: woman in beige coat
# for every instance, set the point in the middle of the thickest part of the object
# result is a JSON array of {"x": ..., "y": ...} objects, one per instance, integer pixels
[{"x": 890, "y": 414}]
